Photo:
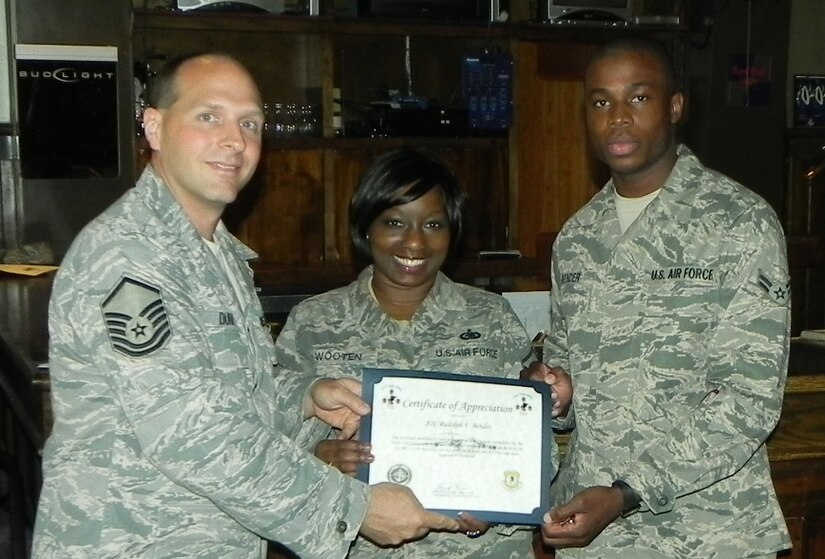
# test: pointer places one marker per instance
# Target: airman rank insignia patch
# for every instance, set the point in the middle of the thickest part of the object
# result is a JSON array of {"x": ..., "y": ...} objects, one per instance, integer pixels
[
  {"x": 136, "y": 320},
  {"x": 779, "y": 292}
]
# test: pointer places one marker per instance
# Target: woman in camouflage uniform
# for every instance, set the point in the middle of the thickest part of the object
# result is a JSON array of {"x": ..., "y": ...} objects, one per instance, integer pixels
[{"x": 402, "y": 312}]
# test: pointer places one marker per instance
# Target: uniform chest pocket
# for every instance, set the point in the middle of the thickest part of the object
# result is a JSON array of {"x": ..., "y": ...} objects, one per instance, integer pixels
[
  {"x": 681, "y": 307},
  {"x": 229, "y": 348},
  {"x": 573, "y": 298},
  {"x": 677, "y": 323}
]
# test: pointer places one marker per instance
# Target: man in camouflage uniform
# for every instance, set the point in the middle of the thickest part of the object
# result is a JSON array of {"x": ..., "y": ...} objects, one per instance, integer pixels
[
  {"x": 171, "y": 437},
  {"x": 673, "y": 322}
]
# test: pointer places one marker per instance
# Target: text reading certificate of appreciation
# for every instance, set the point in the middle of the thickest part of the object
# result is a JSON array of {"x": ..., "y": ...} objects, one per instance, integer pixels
[{"x": 461, "y": 442}]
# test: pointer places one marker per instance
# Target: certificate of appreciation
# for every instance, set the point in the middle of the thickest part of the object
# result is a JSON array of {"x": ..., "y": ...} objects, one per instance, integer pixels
[{"x": 460, "y": 442}]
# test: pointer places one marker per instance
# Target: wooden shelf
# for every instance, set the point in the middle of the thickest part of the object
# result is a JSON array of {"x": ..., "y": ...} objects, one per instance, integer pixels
[
  {"x": 384, "y": 142},
  {"x": 246, "y": 22},
  {"x": 270, "y": 23}
]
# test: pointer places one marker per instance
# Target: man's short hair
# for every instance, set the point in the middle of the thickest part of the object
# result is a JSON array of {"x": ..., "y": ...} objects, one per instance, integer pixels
[
  {"x": 645, "y": 44},
  {"x": 163, "y": 89}
]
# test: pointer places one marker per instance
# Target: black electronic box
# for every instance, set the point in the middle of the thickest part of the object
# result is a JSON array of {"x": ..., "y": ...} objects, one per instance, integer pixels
[{"x": 479, "y": 10}]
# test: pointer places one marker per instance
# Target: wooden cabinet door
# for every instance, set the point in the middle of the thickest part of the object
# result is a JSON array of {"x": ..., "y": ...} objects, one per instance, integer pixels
[
  {"x": 800, "y": 486},
  {"x": 280, "y": 213},
  {"x": 554, "y": 170}
]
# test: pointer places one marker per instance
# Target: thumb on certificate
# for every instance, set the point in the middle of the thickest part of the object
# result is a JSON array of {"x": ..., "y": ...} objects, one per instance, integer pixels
[
  {"x": 349, "y": 427},
  {"x": 440, "y": 522},
  {"x": 535, "y": 371}
]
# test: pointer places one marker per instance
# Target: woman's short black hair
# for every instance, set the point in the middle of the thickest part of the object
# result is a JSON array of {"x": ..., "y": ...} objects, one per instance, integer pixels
[{"x": 396, "y": 178}]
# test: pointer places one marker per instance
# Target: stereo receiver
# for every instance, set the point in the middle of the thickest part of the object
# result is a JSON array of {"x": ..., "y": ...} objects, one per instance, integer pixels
[{"x": 272, "y": 6}]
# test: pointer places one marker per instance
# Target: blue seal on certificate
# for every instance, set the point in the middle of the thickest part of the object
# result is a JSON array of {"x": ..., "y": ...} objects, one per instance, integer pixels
[{"x": 399, "y": 474}]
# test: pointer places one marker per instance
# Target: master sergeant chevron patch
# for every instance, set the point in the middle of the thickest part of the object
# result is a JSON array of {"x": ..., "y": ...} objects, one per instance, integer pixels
[{"x": 136, "y": 320}]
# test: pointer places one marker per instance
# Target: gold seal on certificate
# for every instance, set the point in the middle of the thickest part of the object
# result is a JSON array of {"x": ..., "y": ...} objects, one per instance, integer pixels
[{"x": 461, "y": 442}]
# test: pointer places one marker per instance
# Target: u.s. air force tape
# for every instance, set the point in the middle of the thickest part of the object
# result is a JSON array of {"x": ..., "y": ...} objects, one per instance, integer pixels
[{"x": 136, "y": 320}]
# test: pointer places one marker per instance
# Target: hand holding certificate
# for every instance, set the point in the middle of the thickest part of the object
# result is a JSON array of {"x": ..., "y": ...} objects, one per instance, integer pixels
[{"x": 461, "y": 442}]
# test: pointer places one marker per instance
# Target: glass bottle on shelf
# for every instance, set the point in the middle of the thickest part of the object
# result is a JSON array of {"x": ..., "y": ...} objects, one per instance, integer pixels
[
  {"x": 307, "y": 121},
  {"x": 291, "y": 120},
  {"x": 276, "y": 120}
]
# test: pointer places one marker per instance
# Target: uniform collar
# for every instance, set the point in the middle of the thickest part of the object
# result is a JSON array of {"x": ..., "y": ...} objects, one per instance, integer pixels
[
  {"x": 442, "y": 298},
  {"x": 674, "y": 201},
  {"x": 159, "y": 197}
]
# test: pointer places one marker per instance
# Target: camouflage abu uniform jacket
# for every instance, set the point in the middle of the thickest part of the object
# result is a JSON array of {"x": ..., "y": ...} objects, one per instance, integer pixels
[
  {"x": 676, "y": 335},
  {"x": 458, "y": 329},
  {"x": 171, "y": 438}
]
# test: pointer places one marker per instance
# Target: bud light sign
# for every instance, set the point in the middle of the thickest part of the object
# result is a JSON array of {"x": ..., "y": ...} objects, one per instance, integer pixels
[{"x": 67, "y": 109}]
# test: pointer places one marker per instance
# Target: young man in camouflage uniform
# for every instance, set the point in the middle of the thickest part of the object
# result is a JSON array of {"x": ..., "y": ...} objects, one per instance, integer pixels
[
  {"x": 171, "y": 437},
  {"x": 670, "y": 311}
]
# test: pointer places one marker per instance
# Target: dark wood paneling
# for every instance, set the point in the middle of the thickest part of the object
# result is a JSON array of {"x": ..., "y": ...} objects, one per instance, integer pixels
[
  {"x": 800, "y": 434},
  {"x": 800, "y": 486},
  {"x": 804, "y": 222},
  {"x": 295, "y": 210},
  {"x": 555, "y": 174},
  {"x": 280, "y": 213},
  {"x": 806, "y": 258}
]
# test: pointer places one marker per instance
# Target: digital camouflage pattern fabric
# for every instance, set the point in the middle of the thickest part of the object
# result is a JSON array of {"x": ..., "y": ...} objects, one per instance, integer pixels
[
  {"x": 171, "y": 437},
  {"x": 457, "y": 329},
  {"x": 676, "y": 336}
]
